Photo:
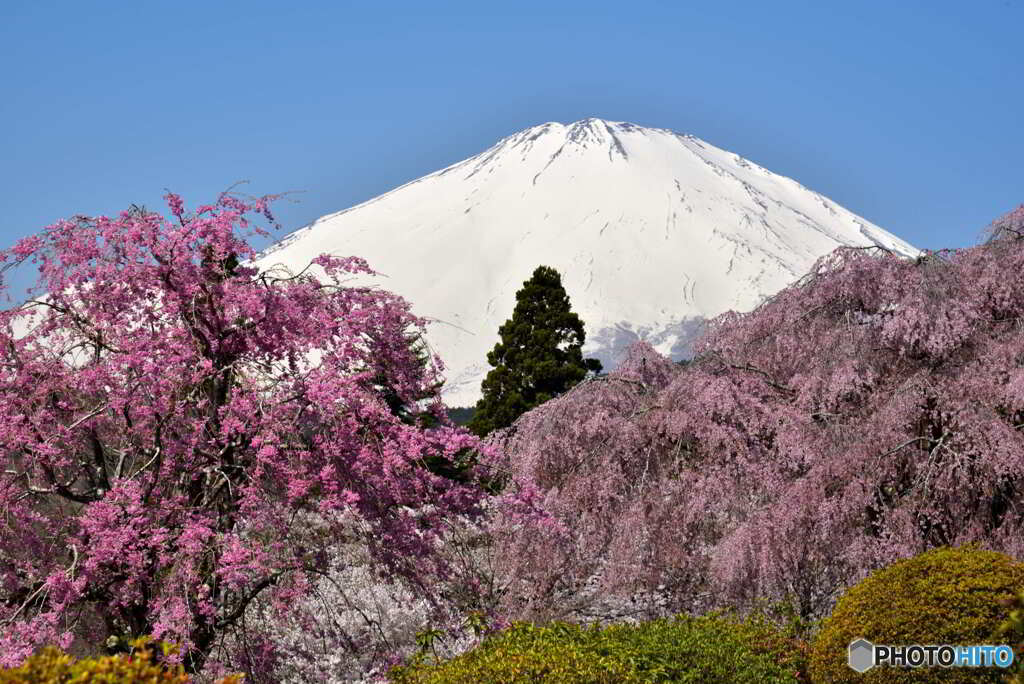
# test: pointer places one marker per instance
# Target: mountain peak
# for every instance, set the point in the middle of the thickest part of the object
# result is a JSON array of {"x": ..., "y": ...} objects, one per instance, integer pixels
[
  {"x": 590, "y": 133},
  {"x": 595, "y": 131},
  {"x": 591, "y": 123},
  {"x": 653, "y": 233}
]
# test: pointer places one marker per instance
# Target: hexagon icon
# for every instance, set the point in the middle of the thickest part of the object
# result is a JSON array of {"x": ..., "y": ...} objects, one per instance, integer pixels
[{"x": 862, "y": 655}]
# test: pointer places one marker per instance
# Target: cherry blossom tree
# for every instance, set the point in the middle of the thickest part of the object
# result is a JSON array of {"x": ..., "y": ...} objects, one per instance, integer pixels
[
  {"x": 184, "y": 436},
  {"x": 356, "y": 623},
  {"x": 1008, "y": 226},
  {"x": 869, "y": 412}
]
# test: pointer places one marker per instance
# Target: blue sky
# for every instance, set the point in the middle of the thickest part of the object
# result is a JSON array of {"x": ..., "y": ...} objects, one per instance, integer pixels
[{"x": 908, "y": 113}]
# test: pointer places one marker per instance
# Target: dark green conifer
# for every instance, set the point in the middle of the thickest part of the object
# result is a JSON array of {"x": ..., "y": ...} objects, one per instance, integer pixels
[{"x": 538, "y": 358}]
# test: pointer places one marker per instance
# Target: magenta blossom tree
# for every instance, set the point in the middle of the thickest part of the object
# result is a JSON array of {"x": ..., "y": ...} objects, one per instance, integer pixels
[
  {"x": 869, "y": 412},
  {"x": 183, "y": 435}
]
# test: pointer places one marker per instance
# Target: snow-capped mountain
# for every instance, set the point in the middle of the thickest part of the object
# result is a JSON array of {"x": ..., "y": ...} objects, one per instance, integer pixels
[{"x": 652, "y": 231}]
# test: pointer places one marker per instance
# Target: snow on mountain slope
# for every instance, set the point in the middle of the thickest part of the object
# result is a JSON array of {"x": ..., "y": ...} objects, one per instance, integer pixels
[{"x": 652, "y": 231}]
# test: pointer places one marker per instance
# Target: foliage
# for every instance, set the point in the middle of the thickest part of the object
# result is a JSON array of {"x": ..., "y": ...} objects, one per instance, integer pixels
[
  {"x": 460, "y": 415},
  {"x": 423, "y": 408},
  {"x": 871, "y": 411},
  {"x": 139, "y": 666},
  {"x": 185, "y": 435},
  {"x": 713, "y": 648},
  {"x": 942, "y": 596},
  {"x": 539, "y": 356},
  {"x": 1012, "y": 632}
]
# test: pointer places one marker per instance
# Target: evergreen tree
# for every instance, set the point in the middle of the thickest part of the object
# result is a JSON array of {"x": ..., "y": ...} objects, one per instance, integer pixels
[
  {"x": 538, "y": 358},
  {"x": 423, "y": 408}
]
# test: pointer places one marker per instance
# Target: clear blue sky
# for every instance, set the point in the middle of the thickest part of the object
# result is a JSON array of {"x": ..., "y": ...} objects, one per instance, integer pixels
[{"x": 908, "y": 113}]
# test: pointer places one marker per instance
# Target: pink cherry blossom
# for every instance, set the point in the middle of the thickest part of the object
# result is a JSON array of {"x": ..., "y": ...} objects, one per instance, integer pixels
[
  {"x": 871, "y": 411},
  {"x": 171, "y": 414}
]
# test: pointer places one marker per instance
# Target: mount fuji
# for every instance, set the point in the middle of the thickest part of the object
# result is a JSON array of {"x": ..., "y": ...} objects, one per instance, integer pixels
[{"x": 653, "y": 233}]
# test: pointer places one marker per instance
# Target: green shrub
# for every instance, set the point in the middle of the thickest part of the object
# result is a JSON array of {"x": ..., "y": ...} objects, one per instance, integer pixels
[
  {"x": 943, "y": 596},
  {"x": 710, "y": 649},
  {"x": 1012, "y": 632},
  {"x": 51, "y": 666}
]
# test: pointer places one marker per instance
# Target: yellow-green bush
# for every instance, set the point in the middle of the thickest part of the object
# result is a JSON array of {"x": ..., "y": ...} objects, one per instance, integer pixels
[
  {"x": 710, "y": 649},
  {"x": 1012, "y": 632},
  {"x": 943, "y": 596},
  {"x": 51, "y": 666}
]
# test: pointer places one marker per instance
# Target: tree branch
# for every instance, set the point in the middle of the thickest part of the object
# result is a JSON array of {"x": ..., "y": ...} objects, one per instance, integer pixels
[{"x": 254, "y": 591}]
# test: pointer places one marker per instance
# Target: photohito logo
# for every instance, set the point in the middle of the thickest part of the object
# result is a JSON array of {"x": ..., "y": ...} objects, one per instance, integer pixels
[{"x": 864, "y": 655}]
